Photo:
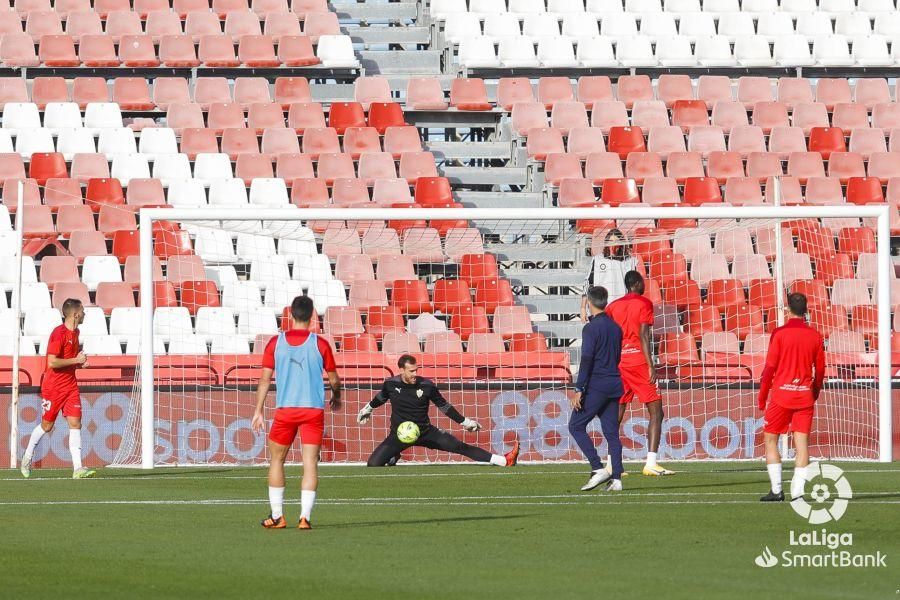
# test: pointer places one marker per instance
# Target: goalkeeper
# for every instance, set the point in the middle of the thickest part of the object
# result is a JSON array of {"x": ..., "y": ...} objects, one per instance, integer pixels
[{"x": 410, "y": 396}]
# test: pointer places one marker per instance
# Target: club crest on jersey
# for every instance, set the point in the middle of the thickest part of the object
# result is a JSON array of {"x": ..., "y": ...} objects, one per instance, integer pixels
[{"x": 419, "y": 393}]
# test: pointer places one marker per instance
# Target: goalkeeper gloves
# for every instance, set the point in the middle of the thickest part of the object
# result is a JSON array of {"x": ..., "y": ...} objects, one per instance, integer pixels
[
  {"x": 470, "y": 425},
  {"x": 364, "y": 414}
]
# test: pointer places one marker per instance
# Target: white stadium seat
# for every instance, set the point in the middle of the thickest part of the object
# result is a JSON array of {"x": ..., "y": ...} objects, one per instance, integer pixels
[
  {"x": 77, "y": 141},
  {"x": 98, "y": 269},
  {"x": 117, "y": 141},
  {"x": 172, "y": 322},
  {"x": 242, "y": 295},
  {"x": 62, "y": 115},
  {"x": 336, "y": 51},
  {"x": 228, "y": 192}
]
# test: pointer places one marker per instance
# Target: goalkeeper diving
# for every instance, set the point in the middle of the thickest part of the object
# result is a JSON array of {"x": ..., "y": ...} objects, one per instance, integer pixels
[{"x": 410, "y": 397}]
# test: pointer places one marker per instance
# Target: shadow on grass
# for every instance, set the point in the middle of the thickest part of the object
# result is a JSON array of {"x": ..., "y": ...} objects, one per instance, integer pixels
[{"x": 395, "y": 522}]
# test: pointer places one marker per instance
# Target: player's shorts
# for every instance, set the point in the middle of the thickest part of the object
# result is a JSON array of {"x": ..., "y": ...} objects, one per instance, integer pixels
[
  {"x": 636, "y": 382},
  {"x": 68, "y": 402},
  {"x": 309, "y": 421},
  {"x": 778, "y": 419}
]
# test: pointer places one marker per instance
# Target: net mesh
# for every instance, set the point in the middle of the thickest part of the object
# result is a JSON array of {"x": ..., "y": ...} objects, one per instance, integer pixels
[{"x": 493, "y": 312}]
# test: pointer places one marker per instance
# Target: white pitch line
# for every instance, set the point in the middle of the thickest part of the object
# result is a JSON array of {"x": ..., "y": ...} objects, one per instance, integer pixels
[
  {"x": 486, "y": 473},
  {"x": 595, "y": 500}
]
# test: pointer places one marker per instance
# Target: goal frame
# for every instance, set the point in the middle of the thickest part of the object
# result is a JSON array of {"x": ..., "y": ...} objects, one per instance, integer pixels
[{"x": 880, "y": 212}]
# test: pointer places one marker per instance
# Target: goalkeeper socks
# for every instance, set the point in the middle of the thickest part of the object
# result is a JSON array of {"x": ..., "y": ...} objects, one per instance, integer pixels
[
  {"x": 75, "y": 448},
  {"x": 498, "y": 460},
  {"x": 651, "y": 459},
  {"x": 276, "y": 501},
  {"x": 774, "y": 470},
  {"x": 36, "y": 434},
  {"x": 307, "y": 499},
  {"x": 798, "y": 482}
]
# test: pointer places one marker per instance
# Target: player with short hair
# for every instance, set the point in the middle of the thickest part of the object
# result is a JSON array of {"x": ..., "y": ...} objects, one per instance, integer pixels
[
  {"x": 599, "y": 388},
  {"x": 298, "y": 358},
  {"x": 410, "y": 396},
  {"x": 794, "y": 374},
  {"x": 59, "y": 389},
  {"x": 634, "y": 314}
]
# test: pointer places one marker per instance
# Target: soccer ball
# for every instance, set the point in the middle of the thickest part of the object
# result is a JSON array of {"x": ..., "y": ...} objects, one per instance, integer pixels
[{"x": 407, "y": 432}]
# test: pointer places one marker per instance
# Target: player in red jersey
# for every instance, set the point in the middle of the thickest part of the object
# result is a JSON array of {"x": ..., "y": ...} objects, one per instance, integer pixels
[
  {"x": 634, "y": 314},
  {"x": 297, "y": 357},
  {"x": 59, "y": 388},
  {"x": 794, "y": 374}
]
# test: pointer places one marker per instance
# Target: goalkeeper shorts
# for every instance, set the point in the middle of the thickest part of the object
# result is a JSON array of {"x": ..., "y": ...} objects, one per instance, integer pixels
[{"x": 310, "y": 422}]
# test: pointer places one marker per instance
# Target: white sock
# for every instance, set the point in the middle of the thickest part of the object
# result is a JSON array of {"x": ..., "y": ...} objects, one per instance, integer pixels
[
  {"x": 774, "y": 470},
  {"x": 307, "y": 499},
  {"x": 36, "y": 434},
  {"x": 75, "y": 448},
  {"x": 498, "y": 459},
  {"x": 798, "y": 482},
  {"x": 651, "y": 459},
  {"x": 276, "y": 501}
]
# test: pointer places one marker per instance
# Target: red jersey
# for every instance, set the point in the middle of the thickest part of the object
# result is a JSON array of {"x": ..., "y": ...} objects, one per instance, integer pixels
[
  {"x": 63, "y": 343},
  {"x": 296, "y": 337},
  {"x": 795, "y": 366},
  {"x": 630, "y": 312}
]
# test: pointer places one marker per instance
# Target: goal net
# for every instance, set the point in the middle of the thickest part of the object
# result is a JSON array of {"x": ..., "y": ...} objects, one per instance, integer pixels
[{"x": 490, "y": 303}]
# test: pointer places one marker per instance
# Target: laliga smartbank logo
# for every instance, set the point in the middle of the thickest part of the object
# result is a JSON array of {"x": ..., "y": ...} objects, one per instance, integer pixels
[
  {"x": 829, "y": 498},
  {"x": 830, "y": 486}
]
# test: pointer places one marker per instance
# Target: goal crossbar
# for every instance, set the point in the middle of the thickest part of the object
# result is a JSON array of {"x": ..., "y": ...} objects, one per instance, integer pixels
[{"x": 879, "y": 212}]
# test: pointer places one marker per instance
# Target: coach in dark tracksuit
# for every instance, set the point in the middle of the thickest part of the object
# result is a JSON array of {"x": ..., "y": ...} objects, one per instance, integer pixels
[{"x": 599, "y": 388}]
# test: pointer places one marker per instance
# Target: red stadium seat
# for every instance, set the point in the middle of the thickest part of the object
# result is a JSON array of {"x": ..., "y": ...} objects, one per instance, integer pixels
[
  {"x": 594, "y": 88},
  {"x": 296, "y": 51},
  {"x": 832, "y": 267},
  {"x": 217, "y": 51},
  {"x": 62, "y": 192},
  {"x": 512, "y": 320},
  {"x": 701, "y": 190},
  {"x": 47, "y": 165},
  {"x": 469, "y": 94},
  {"x": 681, "y": 293},
  {"x": 112, "y": 295},
  {"x": 306, "y": 115},
  {"x": 385, "y": 114},
  {"x": 642, "y": 165},
  {"x": 632, "y": 88},
  {"x": 86, "y": 243},
  {"x": 125, "y": 244},
  {"x": 289, "y": 90},
  {"x": 410, "y": 296},
  {"x": 451, "y": 294},
  {"x": 257, "y": 51},
  {"x": 743, "y": 320},
  {"x": 381, "y": 320},
  {"x": 103, "y": 191},
  {"x": 864, "y": 190},
  {"x": 853, "y": 241},
  {"x": 618, "y": 191},
  {"x": 688, "y": 113},
  {"x": 493, "y": 292},
  {"x": 723, "y": 292},
  {"x": 195, "y": 294},
  {"x": 814, "y": 290},
  {"x": 58, "y": 51},
  {"x": 625, "y": 140},
  {"x": 346, "y": 114},
  {"x": 71, "y": 219},
  {"x": 467, "y": 319},
  {"x": 132, "y": 93}
]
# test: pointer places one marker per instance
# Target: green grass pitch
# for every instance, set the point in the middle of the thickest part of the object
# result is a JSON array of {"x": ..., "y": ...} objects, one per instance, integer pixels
[{"x": 440, "y": 531}]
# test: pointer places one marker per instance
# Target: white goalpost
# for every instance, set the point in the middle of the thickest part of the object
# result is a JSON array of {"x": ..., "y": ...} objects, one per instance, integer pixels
[{"x": 708, "y": 353}]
